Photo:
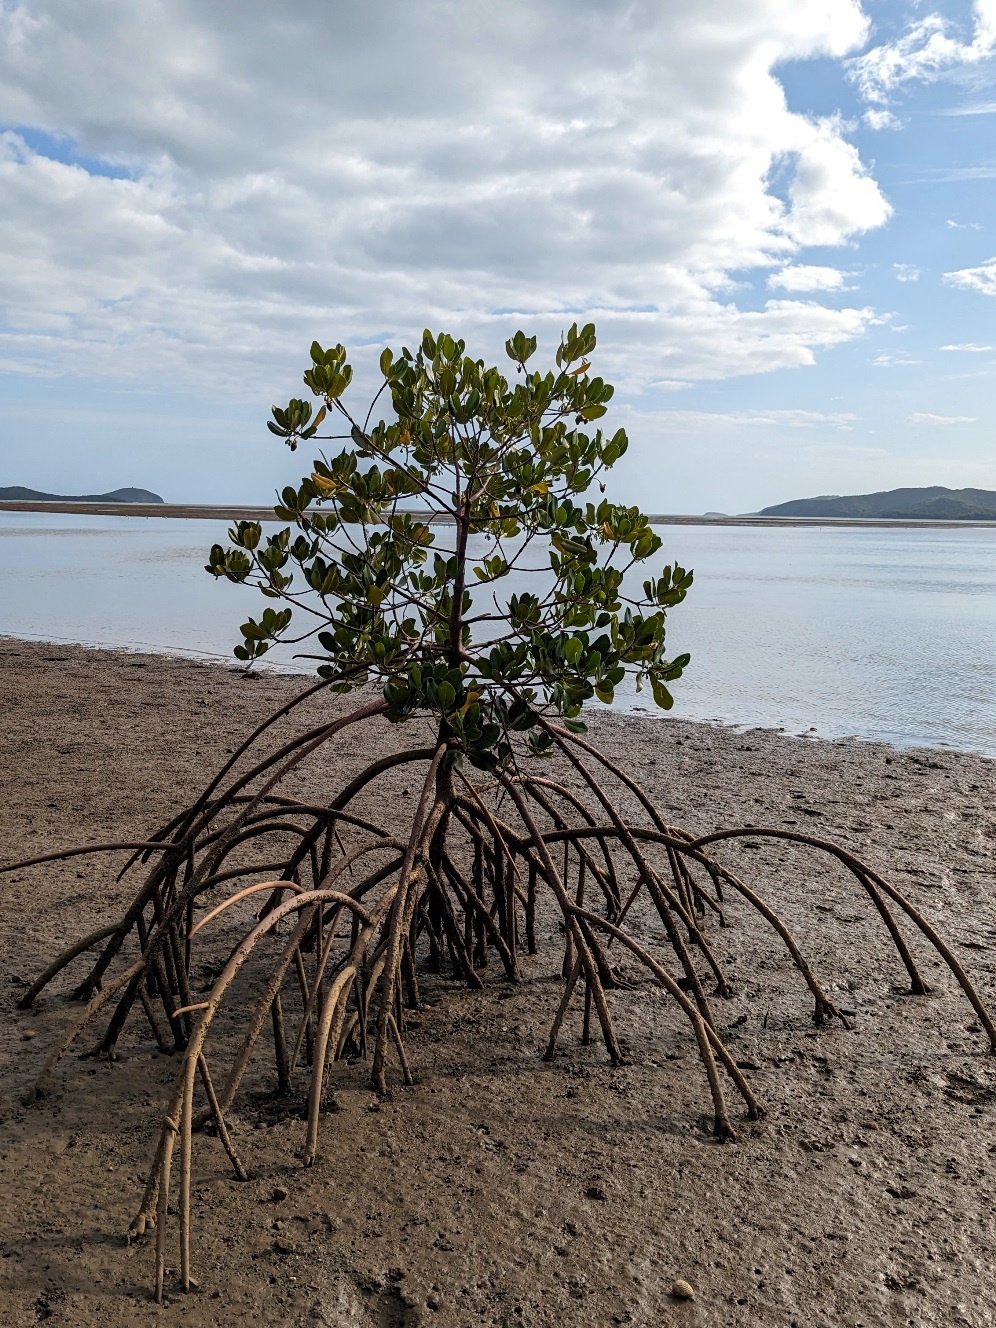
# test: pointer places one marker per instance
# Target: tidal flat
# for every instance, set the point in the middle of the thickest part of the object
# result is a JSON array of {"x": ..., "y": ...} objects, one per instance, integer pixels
[{"x": 502, "y": 1189}]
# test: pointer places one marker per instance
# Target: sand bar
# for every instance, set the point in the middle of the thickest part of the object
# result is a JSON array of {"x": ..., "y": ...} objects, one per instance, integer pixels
[{"x": 208, "y": 512}]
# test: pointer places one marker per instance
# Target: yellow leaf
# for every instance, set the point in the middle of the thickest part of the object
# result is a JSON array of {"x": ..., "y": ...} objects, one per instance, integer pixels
[
  {"x": 541, "y": 488},
  {"x": 323, "y": 485}
]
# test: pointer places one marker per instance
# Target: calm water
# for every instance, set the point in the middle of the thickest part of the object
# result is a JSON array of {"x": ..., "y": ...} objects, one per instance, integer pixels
[{"x": 885, "y": 634}]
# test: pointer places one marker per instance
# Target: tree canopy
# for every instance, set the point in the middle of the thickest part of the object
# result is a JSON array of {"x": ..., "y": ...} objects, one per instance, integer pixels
[{"x": 406, "y": 534}]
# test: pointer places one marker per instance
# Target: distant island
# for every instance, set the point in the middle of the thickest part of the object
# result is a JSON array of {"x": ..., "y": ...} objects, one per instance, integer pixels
[
  {"x": 930, "y": 504},
  {"x": 16, "y": 493}
]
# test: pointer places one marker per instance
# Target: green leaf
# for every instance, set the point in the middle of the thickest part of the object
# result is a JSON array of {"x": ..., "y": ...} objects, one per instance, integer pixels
[
  {"x": 446, "y": 696},
  {"x": 662, "y": 696},
  {"x": 521, "y": 717}
]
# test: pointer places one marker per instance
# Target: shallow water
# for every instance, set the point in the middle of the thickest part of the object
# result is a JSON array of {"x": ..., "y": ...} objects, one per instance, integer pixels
[{"x": 875, "y": 633}]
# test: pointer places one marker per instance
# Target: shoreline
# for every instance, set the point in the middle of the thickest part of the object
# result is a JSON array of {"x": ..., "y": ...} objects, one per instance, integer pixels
[
  {"x": 216, "y": 512},
  {"x": 637, "y": 714},
  {"x": 883, "y": 1129}
]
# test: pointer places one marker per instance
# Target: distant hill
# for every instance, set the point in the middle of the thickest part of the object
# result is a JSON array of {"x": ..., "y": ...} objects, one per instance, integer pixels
[
  {"x": 932, "y": 504},
  {"x": 16, "y": 493}
]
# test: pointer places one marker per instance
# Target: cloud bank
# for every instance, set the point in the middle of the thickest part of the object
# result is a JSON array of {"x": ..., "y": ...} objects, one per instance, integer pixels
[{"x": 193, "y": 192}]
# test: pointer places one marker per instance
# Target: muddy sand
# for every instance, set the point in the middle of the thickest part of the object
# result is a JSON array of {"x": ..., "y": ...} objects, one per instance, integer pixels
[{"x": 504, "y": 1190}]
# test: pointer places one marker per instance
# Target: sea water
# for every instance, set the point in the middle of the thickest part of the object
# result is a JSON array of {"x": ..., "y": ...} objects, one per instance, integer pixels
[{"x": 829, "y": 631}]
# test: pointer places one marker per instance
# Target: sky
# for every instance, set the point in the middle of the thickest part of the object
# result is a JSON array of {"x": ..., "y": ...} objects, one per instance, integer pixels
[{"x": 778, "y": 213}]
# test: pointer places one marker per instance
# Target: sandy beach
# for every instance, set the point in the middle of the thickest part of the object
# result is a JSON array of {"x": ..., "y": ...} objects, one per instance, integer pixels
[{"x": 503, "y": 1190}]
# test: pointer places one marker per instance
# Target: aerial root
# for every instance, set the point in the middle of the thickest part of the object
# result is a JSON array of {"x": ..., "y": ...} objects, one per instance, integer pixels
[
  {"x": 334, "y": 915},
  {"x": 63, "y": 961},
  {"x": 872, "y": 884}
]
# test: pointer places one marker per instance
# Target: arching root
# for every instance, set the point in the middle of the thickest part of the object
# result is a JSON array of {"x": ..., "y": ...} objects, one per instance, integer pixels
[{"x": 349, "y": 908}]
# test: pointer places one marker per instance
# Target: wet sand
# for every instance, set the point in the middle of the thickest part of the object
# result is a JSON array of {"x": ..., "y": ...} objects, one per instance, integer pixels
[{"x": 503, "y": 1190}]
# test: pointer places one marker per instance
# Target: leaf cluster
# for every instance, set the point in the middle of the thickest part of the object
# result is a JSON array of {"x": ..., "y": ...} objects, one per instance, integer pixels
[{"x": 407, "y": 546}]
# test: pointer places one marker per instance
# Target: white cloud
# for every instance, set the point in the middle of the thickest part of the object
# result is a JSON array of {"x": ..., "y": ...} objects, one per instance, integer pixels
[
  {"x": 887, "y": 361},
  {"x": 781, "y": 419},
  {"x": 831, "y": 194},
  {"x": 922, "y": 417},
  {"x": 799, "y": 277},
  {"x": 969, "y": 346},
  {"x": 906, "y": 272},
  {"x": 531, "y": 162},
  {"x": 982, "y": 278},
  {"x": 963, "y": 225},
  {"x": 971, "y": 108},
  {"x": 925, "y": 52},
  {"x": 879, "y": 119},
  {"x": 955, "y": 174}
]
